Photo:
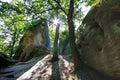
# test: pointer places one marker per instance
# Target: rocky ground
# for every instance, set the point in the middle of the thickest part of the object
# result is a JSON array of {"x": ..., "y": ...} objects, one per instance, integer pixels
[{"x": 42, "y": 70}]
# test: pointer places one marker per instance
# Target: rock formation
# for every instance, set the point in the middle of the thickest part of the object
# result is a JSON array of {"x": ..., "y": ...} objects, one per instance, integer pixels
[
  {"x": 99, "y": 38},
  {"x": 34, "y": 41}
]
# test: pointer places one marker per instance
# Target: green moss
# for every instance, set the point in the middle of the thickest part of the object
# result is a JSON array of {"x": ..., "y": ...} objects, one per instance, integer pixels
[
  {"x": 116, "y": 28},
  {"x": 118, "y": 24},
  {"x": 38, "y": 51},
  {"x": 99, "y": 37},
  {"x": 90, "y": 33}
]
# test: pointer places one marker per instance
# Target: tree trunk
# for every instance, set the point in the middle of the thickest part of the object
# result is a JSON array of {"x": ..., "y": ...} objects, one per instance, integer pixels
[
  {"x": 64, "y": 44},
  {"x": 55, "y": 53},
  {"x": 75, "y": 53},
  {"x": 54, "y": 60},
  {"x": 46, "y": 36}
]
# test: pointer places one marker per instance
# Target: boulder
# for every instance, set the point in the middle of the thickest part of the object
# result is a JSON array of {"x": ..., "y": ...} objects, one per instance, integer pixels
[
  {"x": 99, "y": 38},
  {"x": 12, "y": 72},
  {"x": 34, "y": 42}
]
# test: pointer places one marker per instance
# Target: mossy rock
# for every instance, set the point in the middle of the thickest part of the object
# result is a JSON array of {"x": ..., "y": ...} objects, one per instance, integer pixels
[
  {"x": 38, "y": 51},
  {"x": 26, "y": 53},
  {"x": 99, "y": 38}
]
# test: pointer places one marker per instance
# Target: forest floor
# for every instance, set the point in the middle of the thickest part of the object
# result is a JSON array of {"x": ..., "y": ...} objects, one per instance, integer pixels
[{"x": 42, "y": 70}]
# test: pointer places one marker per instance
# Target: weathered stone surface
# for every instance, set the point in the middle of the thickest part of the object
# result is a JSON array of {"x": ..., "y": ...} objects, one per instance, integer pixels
[
  {"x": 34, "y": 42},
  {"x": 99, "y": 38},
  {"x": 42, "y": 70},
  {"x": 14, "y": 71}
]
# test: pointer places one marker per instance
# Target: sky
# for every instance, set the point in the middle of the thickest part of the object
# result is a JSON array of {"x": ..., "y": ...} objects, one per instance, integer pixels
[{"x": 6, "y": 0}]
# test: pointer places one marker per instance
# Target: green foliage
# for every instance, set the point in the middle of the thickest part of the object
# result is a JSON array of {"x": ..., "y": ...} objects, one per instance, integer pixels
[
  {"x": 16, "y": 17},
  {"x": 91, "y": 2},
  {"x": 116, "y": 28}
]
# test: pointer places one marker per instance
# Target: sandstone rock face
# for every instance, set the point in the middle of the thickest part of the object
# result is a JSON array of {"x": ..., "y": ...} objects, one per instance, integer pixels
[
  {"x": 34, "y": 42},
  {"x": 99, "y": 38}
]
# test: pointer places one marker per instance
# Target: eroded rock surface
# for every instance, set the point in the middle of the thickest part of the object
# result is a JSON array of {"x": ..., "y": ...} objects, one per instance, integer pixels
[
  {"x": 34, "y": 42},
  {"x": 42, "y": 70},
  {"x": 99, "y": 38}
]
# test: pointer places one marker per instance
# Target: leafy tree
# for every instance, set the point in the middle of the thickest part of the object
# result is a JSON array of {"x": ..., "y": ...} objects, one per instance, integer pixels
[{"x": 19, "y": 15}]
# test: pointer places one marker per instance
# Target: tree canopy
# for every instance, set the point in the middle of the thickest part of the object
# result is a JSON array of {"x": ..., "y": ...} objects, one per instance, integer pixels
[{"x": 18, "y": 15}]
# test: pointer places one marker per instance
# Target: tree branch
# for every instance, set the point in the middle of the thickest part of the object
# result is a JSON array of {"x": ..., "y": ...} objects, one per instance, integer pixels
[
  {"x": 41, "y": 11},
  {"x": 60, "y": 6},
  {"x": 71, "y": 9},
  {"x": 51, "y": 4}
]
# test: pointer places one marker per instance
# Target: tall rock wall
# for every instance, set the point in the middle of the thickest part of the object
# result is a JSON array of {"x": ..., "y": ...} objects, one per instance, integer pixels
[{"x": 99, "y": 38}]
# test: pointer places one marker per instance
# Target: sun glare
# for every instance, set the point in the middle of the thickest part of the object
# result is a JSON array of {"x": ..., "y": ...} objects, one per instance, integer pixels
[{"x": 55, "y": 21}]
